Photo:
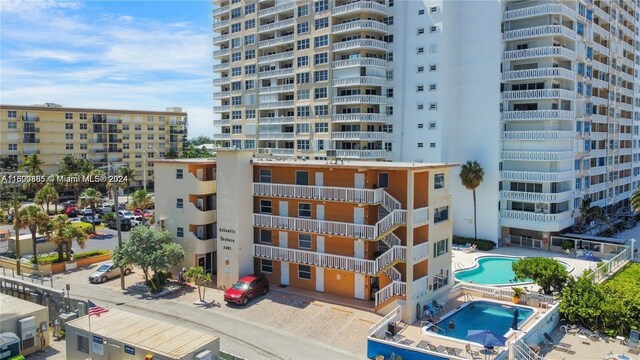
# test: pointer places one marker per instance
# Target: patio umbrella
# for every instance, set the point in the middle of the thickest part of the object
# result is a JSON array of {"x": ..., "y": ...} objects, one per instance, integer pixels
[
  {"x": 486, "y": 338},
  {"x": 514, "y": 324},
  {"x": 589, "y": 258}
]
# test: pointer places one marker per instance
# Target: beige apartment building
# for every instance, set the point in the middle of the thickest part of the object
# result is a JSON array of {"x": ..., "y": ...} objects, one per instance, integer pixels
[
  {"x": 380, "y": 232},
  {"x": 103, "y": 136}
]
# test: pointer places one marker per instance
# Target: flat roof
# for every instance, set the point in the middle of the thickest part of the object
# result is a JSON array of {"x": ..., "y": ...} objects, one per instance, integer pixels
[
  {"x": 355, "y": 164},
  {"x": 89, "y": 110},
  {"x": 160, "y": 337},
  {"x": 16, "y": 308},
  {"x": 207, "y": 161},
  {"x": 596, "y": 238}
]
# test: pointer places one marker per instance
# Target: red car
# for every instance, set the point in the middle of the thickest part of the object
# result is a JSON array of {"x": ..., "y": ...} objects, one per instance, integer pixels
[
  {"x": 71, "y": 211},
  {"x": 246, "y": 289}
]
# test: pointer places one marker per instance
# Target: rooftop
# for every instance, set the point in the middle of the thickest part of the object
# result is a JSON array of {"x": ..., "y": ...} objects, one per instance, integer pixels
[
  {"x": 43, "y": 107},
  {"x": 14, "y": 308},
  {"x": 160, "y": 337}
]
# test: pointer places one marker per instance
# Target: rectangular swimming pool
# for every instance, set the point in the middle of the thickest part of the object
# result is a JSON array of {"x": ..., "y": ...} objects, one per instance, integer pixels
[{"x": 483, "y": 315}]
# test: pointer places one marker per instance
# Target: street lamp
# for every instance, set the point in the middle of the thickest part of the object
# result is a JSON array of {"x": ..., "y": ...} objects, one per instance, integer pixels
[
  {"x": 112, "y": 168},
  {"x": 144, "y": 175}
]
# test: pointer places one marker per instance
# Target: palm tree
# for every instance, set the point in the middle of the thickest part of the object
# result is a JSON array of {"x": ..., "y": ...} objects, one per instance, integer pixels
[
  {"x": 46, "y": 195},
  {"x": 471, "y": 175},
  {"x": 75, "y": 167},
  {"x": 129, "y": 176},
  {"x": 8, "y": 163},
  {"x": 171, "y": 154},
  {"x": 35, "y": 219},
  {"x": 591, "y": 212},
  {"x": 635, "y": 200},
  {"x": 63, "y": 233},
  {"x": 201, "y": 279},
  {"x": 91, "y": 197},
  {"x": 31, "y": 165},
  {"x": 140, "y": 200}
]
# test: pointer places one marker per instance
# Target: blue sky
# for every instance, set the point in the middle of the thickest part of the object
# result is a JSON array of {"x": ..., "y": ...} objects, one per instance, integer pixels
[{"x": 145, "y": 55}]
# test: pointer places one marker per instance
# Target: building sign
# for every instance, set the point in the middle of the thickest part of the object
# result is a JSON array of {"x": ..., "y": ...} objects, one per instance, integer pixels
[
  {"x": 227, "y": 239},
  {"x": 129, "y": 350},
  {"x": 97, "y": 345}
]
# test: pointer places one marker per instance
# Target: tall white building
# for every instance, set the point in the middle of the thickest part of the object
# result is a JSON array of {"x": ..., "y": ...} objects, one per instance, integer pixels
[{"x": 544, "y": 95}]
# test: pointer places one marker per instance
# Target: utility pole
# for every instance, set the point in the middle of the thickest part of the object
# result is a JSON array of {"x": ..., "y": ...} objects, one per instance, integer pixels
[{"x": 16, "y": 207}]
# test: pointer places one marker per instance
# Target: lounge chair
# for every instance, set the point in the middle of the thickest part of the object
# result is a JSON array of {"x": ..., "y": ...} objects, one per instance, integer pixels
[
  {"x": 423, "y": 344},
  {"x": 473, "y": 353},
  {"x": 437, "y": 306},
  {"x": 634, "y": 337},
  {"x": 471, "y": 249},
  {"x": 549, "y": 341},
  {"x": 588, "y": 333}
]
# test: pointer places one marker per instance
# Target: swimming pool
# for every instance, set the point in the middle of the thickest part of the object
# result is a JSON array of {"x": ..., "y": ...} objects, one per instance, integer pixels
[
  {"x": 493, "y": 270},
  {"x": 483, "y": 315}
]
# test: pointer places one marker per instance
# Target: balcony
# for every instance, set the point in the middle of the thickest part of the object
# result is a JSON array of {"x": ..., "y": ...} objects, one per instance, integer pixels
[
  {"x": 276, "y": 105},
  {"x": 222, "y": 80},
  {"x": 537, "y": 197},
  {"x": 327, "y": 193},
  {"x": 539, "y": 31},
  {"x": 538, "y": 135},
  {"x": 220, "y": 24},
  {"x": 276, "y": 89},
  {"x": 538, "y": 74},
  {"x": 221, "y": 66},
  {"x": 196, "y": 216},
  {"x": 359, "y": 99},
  {"x": 275, "y": 25},
  {"x": 539, "y": 52},
  {"x": 221, "y": 94},
  {"x": 360, "y": 7},
  {"x": 221, "y": 122},
  {"x": 276, "y": 151},
  {"x": 287, "y": 55},
  {"x": 275, "y": 73},
  {"x": 275, "y": 120},
  {"x": 221, "y": 53},
  {"x": 275, "y": 41},
  {"x": 536, "y": 221},
  {"x": 220, "y": 10},
  {"x": 539, "y": 94},
  {"x": 221, "y": 108},
  {"x": 537, "y": 155},
  {"x": 396, "y": 288},
  {"x": 363, "y": 44},
  {"x": 351, "y": 118},
  {"x": 359, "y": 26},
  {"x": 199, "y": 187},
  {"x": 29, "y": 129},
  {"x": 277, "y": 9},
  {"x": 278, "y": 136},
  {"x": 30, "y": 118},
  {"x": 362, "y": 154},
  {"x": 200, "y": 246},
  {"x": 359, "y": 135},
  {"x": 540, "y": 10},
  {"x": 541, "y": 176},
  {"x": 342, "y": 64},
  {"x": 360, "y": 80},
  {"x": 538, "y": 115},
  {"x": 30, "y": 151},
  {"x": 223, "y": 136}
]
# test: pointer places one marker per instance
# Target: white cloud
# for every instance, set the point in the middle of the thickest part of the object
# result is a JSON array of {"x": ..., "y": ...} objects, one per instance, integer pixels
[{"x": 30, "y": 6}]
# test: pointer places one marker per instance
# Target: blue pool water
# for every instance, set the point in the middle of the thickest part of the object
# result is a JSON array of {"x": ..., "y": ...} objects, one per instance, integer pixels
[
  {"x": 483, "y": 315},
  {"x": 490, "y": 271}
]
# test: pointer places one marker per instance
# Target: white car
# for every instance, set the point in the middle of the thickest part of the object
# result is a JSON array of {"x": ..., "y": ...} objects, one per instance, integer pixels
[
  {"x": 103, "y": 209},
  {"x": 126, "y": 214},
  {"x": 86, "y": 211},
  {"x": 136, "y": 221}
]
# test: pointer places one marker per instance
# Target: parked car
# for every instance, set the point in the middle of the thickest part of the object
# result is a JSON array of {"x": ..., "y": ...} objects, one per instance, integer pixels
[
  {"x": 126, "y": 214},
  {"x": 136, "y": 221},
  {"x": 148, "y": 213},
  {"x": 91, "y": 219},
  {"x": 107, "y": 271},
  {"x": 71, "y": 211},
  {"x": 75, "y": 219},
  {"x": 125, "y": 224},
  {"x": 8, "y": 254},
  {"x": 246, "y": 289},
  {"x": 66, "y": 204},
  {"x": 86, "y": 211},
  {"x": 103, "y": 209},
  {"x": 137, "y": 212}
]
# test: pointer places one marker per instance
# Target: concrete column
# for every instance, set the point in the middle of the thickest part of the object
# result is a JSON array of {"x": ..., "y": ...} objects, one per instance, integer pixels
[{"x": 409, "y": 312}]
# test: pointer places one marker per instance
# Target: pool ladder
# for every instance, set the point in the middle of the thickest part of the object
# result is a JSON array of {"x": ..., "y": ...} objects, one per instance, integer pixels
[{"x": 429, "y": 325}]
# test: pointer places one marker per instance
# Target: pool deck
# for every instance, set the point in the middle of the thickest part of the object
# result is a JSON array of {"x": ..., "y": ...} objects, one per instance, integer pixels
[{"x": 587, "y": 349}]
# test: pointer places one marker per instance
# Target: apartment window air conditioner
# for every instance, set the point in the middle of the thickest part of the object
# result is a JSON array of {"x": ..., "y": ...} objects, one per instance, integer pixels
[{"x": 27, "y": 327}]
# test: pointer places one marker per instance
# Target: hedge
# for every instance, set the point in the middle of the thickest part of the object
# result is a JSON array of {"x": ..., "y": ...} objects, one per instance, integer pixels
[
  {"x": 53, "y": 258},
  {"x": 484, "y": 245},
  {"x": 85, "y": 227}
]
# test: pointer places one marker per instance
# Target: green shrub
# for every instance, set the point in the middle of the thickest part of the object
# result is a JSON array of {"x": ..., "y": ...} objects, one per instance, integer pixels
[
  {"x": 484, "y": 245},
  {"x": 53, "y": 258},
  {"x": 85, "y": 227}
]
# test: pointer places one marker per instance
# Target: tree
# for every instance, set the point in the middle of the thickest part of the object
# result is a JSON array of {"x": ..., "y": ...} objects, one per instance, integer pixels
[
  {"x": 105, "y": 218},
  {"x": 201, "y": 278},
  {"x": 547, "y": 273},
  {"x": 193, "y": 152},
  {"x": 201, "y": 140},
  {"x": 63, "y": 233},
  {"x": 75, "y": 167},
  {"x": 35, "y": 219},
  {"x": 150, "y": 250},
  {"x": 46, "y": 195},
  {"x": 588, "y": 212},
  {"x": 471, "y": 175},
  {"x": 140, "y": 200},
  {"x": 91, "y": 197},
  {"x": 581, "y": 300},
  {"x": 635, "y": 200},
  {"x": 31, "y": 165},
  {"x": 8, "y": 163},
  {"x": 129, "y": 176},
  {"x": 171, "y": 154}
]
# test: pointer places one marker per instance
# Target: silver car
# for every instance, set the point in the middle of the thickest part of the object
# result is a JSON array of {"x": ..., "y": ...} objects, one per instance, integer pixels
[{"x": 105, "y": 272}]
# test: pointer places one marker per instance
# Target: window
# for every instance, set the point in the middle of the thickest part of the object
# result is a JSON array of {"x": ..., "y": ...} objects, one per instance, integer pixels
[
  {"x": 236, "y": 129},
  {"x": 321, "y": 110},
  {"x": 320, "y": 41},
  {"x": 390, "y": 56},
  {"x": 420, "y": 145},
  {"x": 68, "y": 116},
  {"x": 236, "y": 56},
  {"x": 303, "y": 28},
  {"x": 250, "y": 69},
  {"x": 14, "y": 125},
  {"x": 322, "y": 75},
  {"x": 265, "y": 206},
  {"x": 12, "y": 114},
  {"x": 265, "y": 176},
  {"x": 236, "y": 13},
  {"x": 432, "y": 145},
  {"x": 433, "y": 87},
  {"x": 321, "y": 58},
  {"x": 304, "y": 209},
  {"x": 68, "y": 126},
  {"x": 303, "y": 10},
  {"x": 304, "y": 272},
  {"x": 13, "y": 147},
  {"x": 236, "y": 27},
  {"x": 69, "y": 147},
  {"x": 149, "y": 127},
  {"x": 420, "y": 69},
  {"x": 180, "y": 232},
  {"x": 236, "y": 71},
  {"x": 302, "y": 144},
  {"x": 303, "y": 44},
  {"x": 433, "y": 49},
  {"x": 266, "y": 266},
  {"x": 390, "y": 93},
  {"x": 179, "y": 173},
  {"x": 438, "y": 181},
  {"x": 420, "y": 50},
  {"x": 420, "y": 126},
  {"x": 420, "y": 106},
  {"x": 83, "y": 116},
  {"x": 433, "y": 29},
  {"x": 250, "y": 24},
  {"x": 83, "y": 137},
  {"x": 440, "y": 247},
  {"x": 83, "y": 146},
  {"x": 303, "y": 94},
  {"x": 321, "y": 23},
  {"x": 420, "y": 88},
  {"x": 302, "y": 178},
  {"x": 179, "y": 203},
  {"x": 433, "y": 67},
  {"x": 83, "y": 344},
  {"x": 433, "y": 106},
  {"x": 303, "y": 61},
  {"x": 420, "y": 31},
  {"x": 249, "y": 39},
  {"x": 421, "y": 12},
  {"x": 303, "y": 111},
  {"x": 321, "y": 5},
  {"x": 236, "y": 115},
  {"x": 302, "y": 128},
  {"x": 304, "y": 241},
  {"x": 249, "y": 9},
  {"x": 250, "y": 114},
  {"x": 320, "y": 93},
  {"x": 265, "y": 236},
  {"x": 388, "y": 20},
  {"x": 322, "y": 127},
  {"x": 433, "y": 9},
  {"x": 440, "y": 214},
  {"x": 235, "y": 43},
  {"x": 236, "y": 100},
  {"x": 383, "y": 180}
]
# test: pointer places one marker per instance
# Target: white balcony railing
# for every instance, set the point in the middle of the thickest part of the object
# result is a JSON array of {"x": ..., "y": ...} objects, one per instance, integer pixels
[
  {"x": 420, "y": 251},
  {"x": 360, "y": 25},
  {"x": 359, "y": 7},
  {"x": 350, "y": 118},
  {"x": 359, "y": 135},
  {"x": 221, "y": 66},
  {"x": 220, "y": 24},
  {"x": 536, "y": 197},
  {"x": 275, "y": 41},
  {"x": 360, "y": 80},
  {"x": 360, "y": 44},
  {"x": 287, "y": 55},
  {"x": 221, "y": 108},
  {"x": 538, "y": 135},
  {"x": 341, "y": 64},
  {"x": 276, "y": 25},
  {"x": 275, "y": 120},
  {"x": 538, "y": 73},
  {"x": 276, "y": 89},
  {"x": 220, "y": 10},
  {"x": 420, "y": 216},
  {"x": 275, "y": 73},
  {"x": 342, "y": 194},
  {"x": 220, "y": 38},
  {"x": 221, "y": 80},
  {"x": 359, "y": 99},
  {"x": 275, "y": 105},
  {"x": 277, "y": 9},
  {"x": 396, "y": 288},
  {"x": 276, "y": 136},
  {"x": 546, "y": 9},
  {"x": 223, "y": 136},
  {"x": 539, "y": 115},
  {"x": 221, "y": 94},
  {"x": 535, "y": 217},
  {"x": 221, "y": 53},
  {"x": 537, "y": 155},
  {"x": 538, "y": 94},
  {"x": 538, "y": 31},
  {"x": 539, "y": 52},
  {"x": 362, "y": 154}
]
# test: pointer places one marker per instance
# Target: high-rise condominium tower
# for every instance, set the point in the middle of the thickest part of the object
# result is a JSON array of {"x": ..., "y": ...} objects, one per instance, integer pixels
[{"x": 544, "y": 95}]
